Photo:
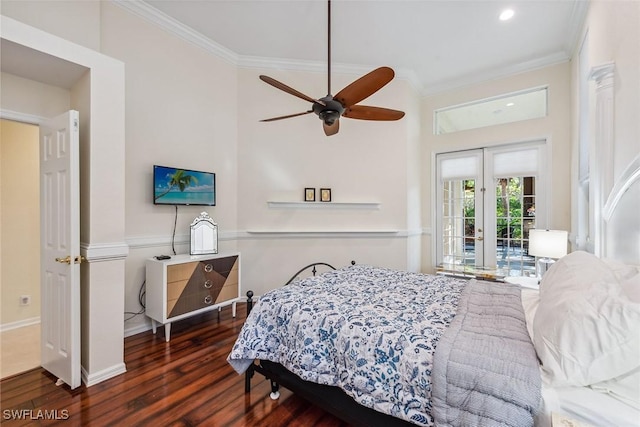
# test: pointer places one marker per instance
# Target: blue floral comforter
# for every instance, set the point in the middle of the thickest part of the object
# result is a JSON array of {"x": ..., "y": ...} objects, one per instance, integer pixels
[{"x": 370, "y": 331}]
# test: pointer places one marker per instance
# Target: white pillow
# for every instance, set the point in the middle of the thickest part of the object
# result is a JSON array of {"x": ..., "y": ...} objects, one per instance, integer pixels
[
  {"x": 530, "y": 299},
  {"x": 621, "y": 270},
  {"x": 586, "y": 330},
  {"x": 631, "y": 287}
]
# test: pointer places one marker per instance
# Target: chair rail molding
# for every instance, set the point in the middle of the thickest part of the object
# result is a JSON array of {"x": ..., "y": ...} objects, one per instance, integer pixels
[{"x": 99, "y": 252}]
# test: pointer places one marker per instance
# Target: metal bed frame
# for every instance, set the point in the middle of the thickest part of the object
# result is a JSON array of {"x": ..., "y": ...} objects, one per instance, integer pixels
[{"x": 330, "y": 398}]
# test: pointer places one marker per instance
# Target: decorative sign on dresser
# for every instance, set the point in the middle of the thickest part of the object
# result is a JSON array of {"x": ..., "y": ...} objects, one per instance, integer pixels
[{"x": 186, "y": 285}]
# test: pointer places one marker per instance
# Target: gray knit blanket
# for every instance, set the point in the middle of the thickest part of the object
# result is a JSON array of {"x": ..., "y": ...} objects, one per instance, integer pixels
[{"x": 485, "y": 369}]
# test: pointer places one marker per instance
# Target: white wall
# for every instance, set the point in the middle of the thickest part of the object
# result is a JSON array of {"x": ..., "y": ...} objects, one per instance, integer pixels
[
  {"x": 181, "y": 105},
  {"x": 76, "y": 21},
  {"x": 614, "y": 36},
  {"x": 613, "y": 31},
  {"x": 39, "y": 99},
  {"x": 364, "y": 162}
]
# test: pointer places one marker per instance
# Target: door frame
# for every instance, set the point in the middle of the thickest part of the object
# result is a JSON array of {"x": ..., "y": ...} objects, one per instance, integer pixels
[{"x": 99, "y": 95}]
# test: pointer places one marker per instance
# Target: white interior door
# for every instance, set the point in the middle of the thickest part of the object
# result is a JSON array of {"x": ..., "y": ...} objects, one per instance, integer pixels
[{"x": 60, "y": 246}]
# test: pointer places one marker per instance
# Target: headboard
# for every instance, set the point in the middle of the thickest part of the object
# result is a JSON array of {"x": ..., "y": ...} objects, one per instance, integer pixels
[{"x": 621, "y": 217}]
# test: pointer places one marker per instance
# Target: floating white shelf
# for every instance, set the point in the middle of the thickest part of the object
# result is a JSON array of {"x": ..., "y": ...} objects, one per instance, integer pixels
[{"x": 322, "y": 205}]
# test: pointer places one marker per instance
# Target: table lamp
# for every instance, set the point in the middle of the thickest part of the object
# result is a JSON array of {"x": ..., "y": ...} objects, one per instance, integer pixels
[{"x": 546, "y": 245}]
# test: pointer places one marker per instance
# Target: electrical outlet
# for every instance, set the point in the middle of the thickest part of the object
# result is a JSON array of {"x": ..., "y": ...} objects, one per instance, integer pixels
[{"x": 25, "y": 299}]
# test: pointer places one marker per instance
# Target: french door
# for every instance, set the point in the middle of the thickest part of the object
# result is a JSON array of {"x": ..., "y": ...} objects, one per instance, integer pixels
[{"x": 487, "y": 201}]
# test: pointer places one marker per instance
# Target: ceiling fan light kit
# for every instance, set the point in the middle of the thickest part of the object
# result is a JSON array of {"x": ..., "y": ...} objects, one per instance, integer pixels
[{"x": 330, "y": 108}]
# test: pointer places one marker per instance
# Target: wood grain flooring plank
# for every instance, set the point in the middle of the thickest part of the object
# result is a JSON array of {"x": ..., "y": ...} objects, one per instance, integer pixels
[{"x": 186, "y": 382}]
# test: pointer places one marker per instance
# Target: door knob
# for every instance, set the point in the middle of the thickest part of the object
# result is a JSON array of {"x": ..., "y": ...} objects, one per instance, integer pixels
[{"x": 66, "y": 260}]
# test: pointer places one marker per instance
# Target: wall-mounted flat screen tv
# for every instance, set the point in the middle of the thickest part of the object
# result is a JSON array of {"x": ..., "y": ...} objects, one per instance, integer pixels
[{"x": 175, "y": 186}]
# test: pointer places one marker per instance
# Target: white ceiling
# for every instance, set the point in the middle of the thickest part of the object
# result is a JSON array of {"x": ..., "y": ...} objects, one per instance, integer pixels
[{"x": 438, "y": 44}]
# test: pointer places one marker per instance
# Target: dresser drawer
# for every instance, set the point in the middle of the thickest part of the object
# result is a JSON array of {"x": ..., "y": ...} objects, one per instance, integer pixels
[
  {"x": 192, "y": 286},
  {"x": 177, "y": 272}
]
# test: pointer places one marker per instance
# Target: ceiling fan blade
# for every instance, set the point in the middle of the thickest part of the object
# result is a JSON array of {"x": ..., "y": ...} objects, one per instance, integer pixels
[
  {"x": 363, "y": 112},
  {"x": 365, "y": 86},
  {"x": 286, "y": 117},
  {"x": 331, "y": 129},
  {"x": 273, "y": 82}
]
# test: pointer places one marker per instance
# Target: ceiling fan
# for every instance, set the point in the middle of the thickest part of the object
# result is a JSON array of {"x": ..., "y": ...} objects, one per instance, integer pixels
[{"x": 330, "y": 108}]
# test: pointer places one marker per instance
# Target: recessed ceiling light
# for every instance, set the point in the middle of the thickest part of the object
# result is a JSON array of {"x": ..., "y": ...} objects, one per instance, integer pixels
[
  {"x": 506, "y": 14},
  {"x": 510, "y": 104}
]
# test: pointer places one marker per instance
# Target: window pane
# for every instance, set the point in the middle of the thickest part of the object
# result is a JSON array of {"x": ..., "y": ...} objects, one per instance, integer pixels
[
  {"x": 506, "y": 108},
  {"x": 515, "y": 216},
  {"x": 458, "y": 222}
]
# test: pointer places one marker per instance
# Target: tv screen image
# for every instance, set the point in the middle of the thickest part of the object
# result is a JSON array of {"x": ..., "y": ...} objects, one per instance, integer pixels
[{"x": 174, "y": 186}]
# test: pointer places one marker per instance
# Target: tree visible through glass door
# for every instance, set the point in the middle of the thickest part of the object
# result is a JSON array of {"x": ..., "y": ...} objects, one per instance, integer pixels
[{"x": 515, "y": 216}]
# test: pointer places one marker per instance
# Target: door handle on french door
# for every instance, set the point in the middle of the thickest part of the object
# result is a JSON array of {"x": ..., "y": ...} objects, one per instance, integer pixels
[
  {"x": 479, "y": 238},
  {"x": 66, "y": 260}
]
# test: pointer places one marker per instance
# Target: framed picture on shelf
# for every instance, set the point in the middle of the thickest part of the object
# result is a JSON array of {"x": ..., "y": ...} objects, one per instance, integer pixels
[
  {"x": 309, "y": 194},
  {"x": 325, "y": 194}
]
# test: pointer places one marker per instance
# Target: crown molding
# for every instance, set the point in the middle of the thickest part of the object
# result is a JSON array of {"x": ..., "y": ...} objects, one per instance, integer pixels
[
  {"x": 147, "y": 12},
  {"x": 161, "y": 19},
  {"x": 575, "y": 27},
  {"x": 493, "y": 74}
]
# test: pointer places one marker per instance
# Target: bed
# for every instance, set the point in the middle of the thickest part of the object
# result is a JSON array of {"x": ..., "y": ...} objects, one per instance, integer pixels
[
  {"x": 372, "y": 333},
  {"x": 377, "y": 346},
  {"x": 405, "y": 319}
]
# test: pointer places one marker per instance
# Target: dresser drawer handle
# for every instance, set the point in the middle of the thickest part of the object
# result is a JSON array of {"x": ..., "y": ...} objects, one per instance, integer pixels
[
  {"x": 208, "y": 300},
  {"x": 208, "y": 284},
  {"x": 208, "y": 268}
]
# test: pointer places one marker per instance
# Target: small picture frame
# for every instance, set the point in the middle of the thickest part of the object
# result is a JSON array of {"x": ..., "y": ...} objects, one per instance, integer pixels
[
  {"x": 309, "y": 194},
  {"x": 325, "y": 194}
]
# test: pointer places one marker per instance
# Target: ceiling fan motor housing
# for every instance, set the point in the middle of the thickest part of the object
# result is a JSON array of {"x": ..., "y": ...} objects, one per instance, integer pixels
[{"x": 330, "y": 112}]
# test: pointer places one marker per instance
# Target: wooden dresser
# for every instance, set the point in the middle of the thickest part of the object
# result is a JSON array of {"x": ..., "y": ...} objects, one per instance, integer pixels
[{"x": 186, "y": 285}]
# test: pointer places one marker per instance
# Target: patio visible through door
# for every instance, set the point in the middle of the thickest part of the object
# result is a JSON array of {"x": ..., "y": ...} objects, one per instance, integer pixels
[{"x": 487, "y": 201}]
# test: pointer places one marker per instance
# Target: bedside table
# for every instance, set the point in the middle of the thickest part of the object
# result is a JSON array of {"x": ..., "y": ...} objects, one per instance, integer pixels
[{"x": 524, "y": 282}]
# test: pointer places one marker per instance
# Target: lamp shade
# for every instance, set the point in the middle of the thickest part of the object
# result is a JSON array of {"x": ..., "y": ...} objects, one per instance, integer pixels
[{"x": 548, "y": 243}]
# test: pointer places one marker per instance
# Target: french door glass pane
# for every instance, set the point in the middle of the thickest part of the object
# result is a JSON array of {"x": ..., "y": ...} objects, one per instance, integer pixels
[
  {"x": 515, "y": 216},
  {"x": 458, "y": 222}
]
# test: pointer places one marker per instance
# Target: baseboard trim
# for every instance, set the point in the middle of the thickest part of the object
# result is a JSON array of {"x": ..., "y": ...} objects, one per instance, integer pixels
[
  {"x": 105, "y": 374},
  {"x": 137, "y": 329},
  {"x": 19, "y": 324}
]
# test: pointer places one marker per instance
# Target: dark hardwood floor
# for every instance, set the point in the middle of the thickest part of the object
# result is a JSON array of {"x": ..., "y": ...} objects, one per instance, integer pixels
[{"x": 185, "y": 382}]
